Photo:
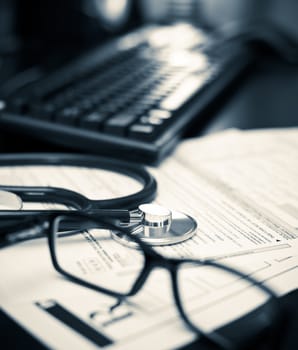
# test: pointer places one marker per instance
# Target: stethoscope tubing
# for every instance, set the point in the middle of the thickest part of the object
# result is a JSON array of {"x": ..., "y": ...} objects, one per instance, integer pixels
[{"x": 78, "y": 201}]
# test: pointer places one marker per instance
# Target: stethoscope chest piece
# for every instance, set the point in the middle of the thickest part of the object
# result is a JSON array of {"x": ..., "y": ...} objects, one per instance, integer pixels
[{"x": 159, "y": 226}]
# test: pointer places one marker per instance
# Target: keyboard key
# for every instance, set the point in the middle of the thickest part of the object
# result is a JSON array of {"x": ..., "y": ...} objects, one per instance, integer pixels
[
  {"x": 86, "y": 104},
  {"x": 44, "y": 112},
  {"x": 119, "y": 123},
  {"x": 68, "y": 115},
  {"x": 18, "y": 105},
  {"x": 184, "y": 92},
  {"x": 138, "y": 109},
  {"x": 161, "y": 114},
  {"x": 151, "y": 120},
  {"x": 142, "y": 131},
  {"x": 2, "y": 105},
  {"x": 109, "y": 108},
  {"x": 93, "y": 120}
]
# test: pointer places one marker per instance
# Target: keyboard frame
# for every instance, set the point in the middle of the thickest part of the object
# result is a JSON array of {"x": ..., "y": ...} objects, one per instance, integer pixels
[{"x": 150, "y": 152}]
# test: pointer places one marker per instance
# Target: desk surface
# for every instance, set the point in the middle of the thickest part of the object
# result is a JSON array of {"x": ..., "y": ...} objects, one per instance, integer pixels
[{"x": 267, "y": 98}]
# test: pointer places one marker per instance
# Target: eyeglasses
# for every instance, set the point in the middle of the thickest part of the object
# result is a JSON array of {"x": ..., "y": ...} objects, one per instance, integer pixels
[{"x": 82, "y": 250}]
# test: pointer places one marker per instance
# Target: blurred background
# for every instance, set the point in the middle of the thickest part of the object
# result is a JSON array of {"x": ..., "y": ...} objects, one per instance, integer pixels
[{"x": 35, "y": 30}]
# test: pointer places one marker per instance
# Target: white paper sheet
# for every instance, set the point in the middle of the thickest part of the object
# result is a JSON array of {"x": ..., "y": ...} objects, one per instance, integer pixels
[{"x": 241, "y": 188}]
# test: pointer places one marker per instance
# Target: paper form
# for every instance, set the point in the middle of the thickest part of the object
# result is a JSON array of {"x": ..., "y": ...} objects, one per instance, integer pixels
[
  {"x": 241, "y": 187},
  {"x": 260, "y": 167},
  {"x": 235, "y": 226}
]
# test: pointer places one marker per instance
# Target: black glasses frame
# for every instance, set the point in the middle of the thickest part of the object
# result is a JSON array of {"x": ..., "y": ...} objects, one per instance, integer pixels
[
  {"x": 152, "y": 260},
  {"x": 45, "y": 223}
]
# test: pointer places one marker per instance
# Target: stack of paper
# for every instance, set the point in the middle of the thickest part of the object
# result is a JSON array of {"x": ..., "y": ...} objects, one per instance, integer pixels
[{"x": 242, "y": 189}]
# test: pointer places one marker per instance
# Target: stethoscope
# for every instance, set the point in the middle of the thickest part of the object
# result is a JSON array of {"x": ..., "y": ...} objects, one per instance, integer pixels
[{"x": 154, "y": 224}]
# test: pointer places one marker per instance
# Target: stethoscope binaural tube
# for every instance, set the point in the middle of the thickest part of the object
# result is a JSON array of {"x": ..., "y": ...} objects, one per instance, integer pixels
[{"x": 140, "y": 174}]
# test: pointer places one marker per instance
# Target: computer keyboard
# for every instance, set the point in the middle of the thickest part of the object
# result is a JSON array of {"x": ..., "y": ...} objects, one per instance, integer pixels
[{"x": 132, "y": 98}]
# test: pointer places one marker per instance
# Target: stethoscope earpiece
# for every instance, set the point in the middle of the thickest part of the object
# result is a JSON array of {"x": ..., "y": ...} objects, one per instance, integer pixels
[{"x": 10, "y": 201}]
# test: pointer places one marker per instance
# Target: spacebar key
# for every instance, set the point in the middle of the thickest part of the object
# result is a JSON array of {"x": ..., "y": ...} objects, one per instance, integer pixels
[{"x": 184, "y": 92}]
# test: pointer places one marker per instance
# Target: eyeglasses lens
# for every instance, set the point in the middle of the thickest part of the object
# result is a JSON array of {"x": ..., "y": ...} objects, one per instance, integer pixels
[
  {"x": 85, "y": 250},
  {"x": 198, "y": 292}
]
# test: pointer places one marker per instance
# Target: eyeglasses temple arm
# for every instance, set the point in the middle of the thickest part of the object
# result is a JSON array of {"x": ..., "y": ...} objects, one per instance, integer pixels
[{"x": 23, "y": 233}]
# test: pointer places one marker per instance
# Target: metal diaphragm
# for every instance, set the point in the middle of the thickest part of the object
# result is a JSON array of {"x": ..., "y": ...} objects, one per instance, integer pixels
[{"x": 159, "y": 226}]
